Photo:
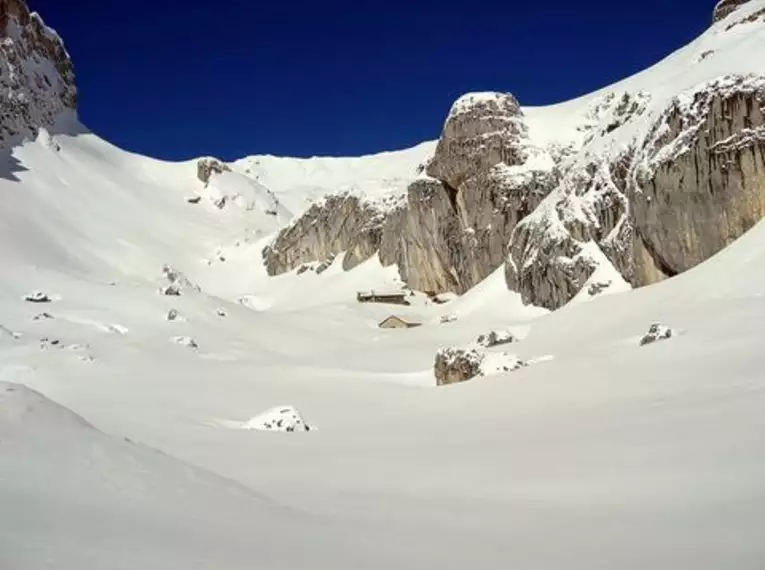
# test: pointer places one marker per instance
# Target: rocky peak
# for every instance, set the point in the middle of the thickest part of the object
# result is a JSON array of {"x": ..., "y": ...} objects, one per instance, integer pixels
[
  {"x": 725, "y": 8},
  {"x": 37, "y": 81},
  {"x": 482, "y": 130}
]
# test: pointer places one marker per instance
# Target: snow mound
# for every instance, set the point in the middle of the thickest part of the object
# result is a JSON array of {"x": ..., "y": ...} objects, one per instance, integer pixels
[
  {"x": 656, "y": 333},
  {"x": 186, "y": 341},
  {"x": 495, "y": 338},
  {"x": 280, "y": 418},
  {"x": 498, "y": 362}
]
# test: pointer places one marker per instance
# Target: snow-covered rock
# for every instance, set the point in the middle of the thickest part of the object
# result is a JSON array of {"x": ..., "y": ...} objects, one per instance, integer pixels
[
  {"x": 656, "y": 333},
  {"x": 174, "y": 315},
  {"x": 206, "y": 167},
  {"x": 186, "y": 341},
  {"x": 725, "y": 8},
  {"x": 459, "y": 364},
  {"x": 495, "y": 338},
  {"x": 37, "y": 83},
  {"x": 280, "y": 418},
  {"x": 177, "y": 282},
  {"x": 38, "y": 297}
]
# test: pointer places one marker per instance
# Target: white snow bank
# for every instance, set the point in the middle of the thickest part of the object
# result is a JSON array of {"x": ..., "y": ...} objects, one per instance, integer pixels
[{"x": 280, "y": 418}]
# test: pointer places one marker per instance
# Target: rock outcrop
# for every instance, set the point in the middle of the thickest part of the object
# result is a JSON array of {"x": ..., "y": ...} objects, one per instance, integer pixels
[
  {"x": 334, "y": 225},
  {"x": 450, "y": 230},
  {"x": 206, "y": 167},
  {"x": 454, "y": 365},
  {"x": 726, "y": 7},
  {"x": 37, "y": 82},
  {"x": 700, "y": 183}
]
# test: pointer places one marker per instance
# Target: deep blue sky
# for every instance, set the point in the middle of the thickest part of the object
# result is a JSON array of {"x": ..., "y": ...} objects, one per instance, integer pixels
[{"x": 182, "y": 78}]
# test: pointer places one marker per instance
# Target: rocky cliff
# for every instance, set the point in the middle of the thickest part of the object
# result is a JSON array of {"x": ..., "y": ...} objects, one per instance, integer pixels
[
  {"x": 447, "y": 232},
  {"x": 631, "y": 185},
  {"x": 37, "y": 80}
]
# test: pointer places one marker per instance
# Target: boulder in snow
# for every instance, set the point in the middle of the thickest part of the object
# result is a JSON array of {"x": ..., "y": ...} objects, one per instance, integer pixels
[
  {"x": 495, "y": 338},
  {"x": 185, "y": 341},
  {"x": 656, "y": 333},
  {"x": 221, "y": 312},
  {"x": 448, "y": 319},
  {"x": 171, "y": 290},
  {"x": 46, "y": 343},
  {"x": 177, "y": 281},
  {"x": 42, "y": 317},
  {"x": 174, "y": 315},
  {"x": 38, "y": 297},
  {"x": 455, "y": 364},
  {"x": 280, "y": 418}
]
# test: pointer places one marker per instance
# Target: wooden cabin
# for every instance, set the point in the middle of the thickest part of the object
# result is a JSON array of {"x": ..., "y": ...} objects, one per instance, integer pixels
[{"x": 388, "y": 298}]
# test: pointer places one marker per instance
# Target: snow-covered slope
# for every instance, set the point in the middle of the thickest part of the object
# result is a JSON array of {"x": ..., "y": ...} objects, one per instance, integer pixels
[
  {"x": 301, "y": 181},
  {"x": 599, "y": 452}
]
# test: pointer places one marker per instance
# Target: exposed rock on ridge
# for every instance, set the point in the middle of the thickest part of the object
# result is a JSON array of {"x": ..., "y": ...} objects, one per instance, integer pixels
[
  {"x": 37, "y": 79},
  {"x": 726, "y": 7}
]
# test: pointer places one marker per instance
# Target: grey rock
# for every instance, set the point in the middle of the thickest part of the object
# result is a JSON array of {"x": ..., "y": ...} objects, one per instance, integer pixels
[
  {"x": 38, "y": 297},
  {"x": 337, "y": 224},
  {"x": 206, "y": 167},
  {"x": 454, "y": 365},
  {"x": 656, "y": 333},
  {"x": 37, "y": 81},
  {"x": 495, "y": 338},
  {"x": 726, "y": 7},
  {"x": 702, "y": 179},
  {"x": 452, "y": 230}
]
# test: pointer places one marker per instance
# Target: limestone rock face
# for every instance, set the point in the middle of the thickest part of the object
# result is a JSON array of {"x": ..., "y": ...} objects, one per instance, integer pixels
[
  {"x": 701, "y": 181},
  {"x": 482, "y": 130},
  {"x": 337, "y": 224},
  {"x": 37, "y": 82},
  {"x": 726, "y": 7},
  {"x": 454, "y": 365},
  {"x": 206, "y": 167},
  {"x": 451, "y": 230}
]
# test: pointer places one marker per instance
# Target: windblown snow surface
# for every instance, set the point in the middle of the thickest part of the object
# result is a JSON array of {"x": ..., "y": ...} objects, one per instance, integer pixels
[{"x": 120, "y": 449}]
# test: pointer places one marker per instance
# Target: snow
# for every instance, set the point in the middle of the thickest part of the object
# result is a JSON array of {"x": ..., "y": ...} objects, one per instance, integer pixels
[
  {"x": 499, "y": 362},
  {"x": 279, "y": 418},
  {"x": 601, "y": 454},
  {"x": 661, "y": 443}
]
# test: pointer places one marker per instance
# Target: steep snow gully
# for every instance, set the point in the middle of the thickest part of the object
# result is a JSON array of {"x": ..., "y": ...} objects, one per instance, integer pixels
[{"x": 168, "y": 402}]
